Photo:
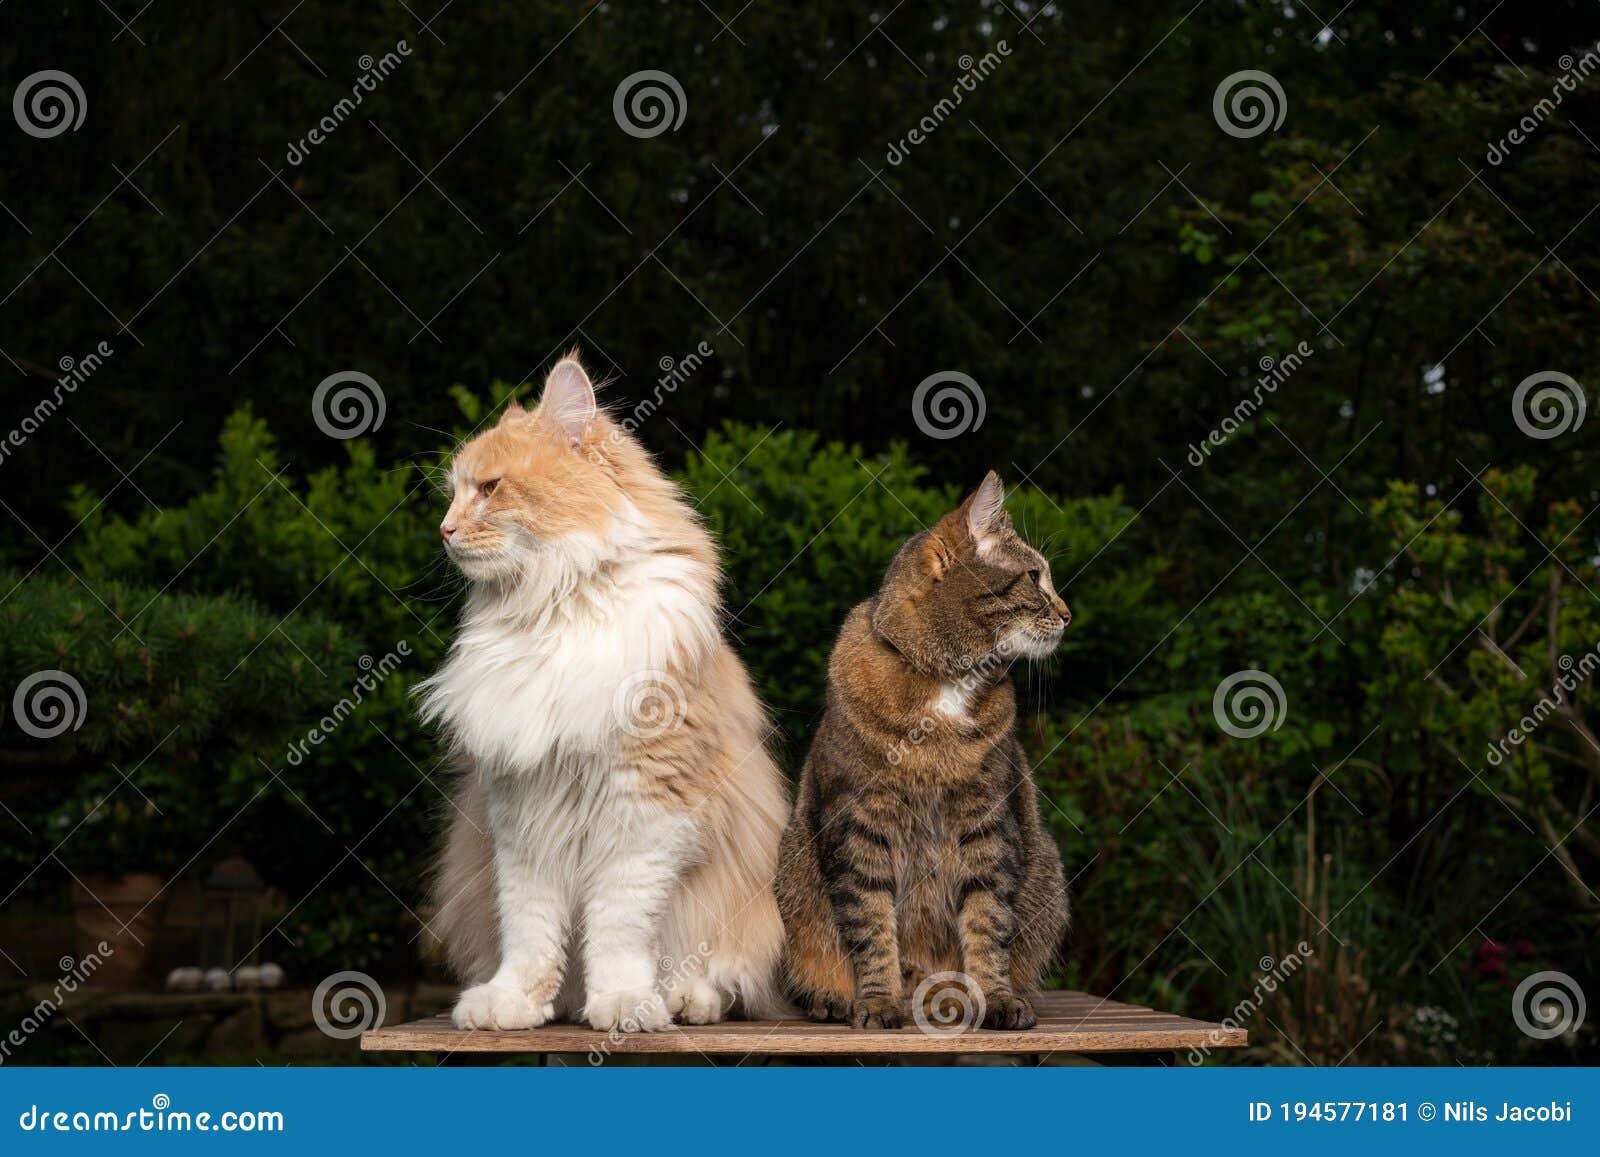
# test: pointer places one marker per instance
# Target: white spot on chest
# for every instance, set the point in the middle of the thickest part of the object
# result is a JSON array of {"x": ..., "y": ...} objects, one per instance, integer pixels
[{"x": 954, "y": 701}]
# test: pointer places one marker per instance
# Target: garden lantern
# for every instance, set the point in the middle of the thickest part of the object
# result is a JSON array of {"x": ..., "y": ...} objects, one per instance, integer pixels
[{"x": 231, "y": 927}]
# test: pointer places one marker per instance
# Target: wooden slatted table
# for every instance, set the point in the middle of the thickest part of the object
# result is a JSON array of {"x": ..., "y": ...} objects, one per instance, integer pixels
[{"x": 1069, "y": 1022}]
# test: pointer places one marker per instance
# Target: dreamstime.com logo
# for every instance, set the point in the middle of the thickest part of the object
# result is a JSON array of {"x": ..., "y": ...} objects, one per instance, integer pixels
[
  {"x": 74, "y": 372},
  {"x": 1274, "y": 974},
  {"x": 649, "y": 704},
  {"x": 947, "y": 1004},
  {"x": 74, "y": 974},
  {"x": 974, "y": 674},
  {"x": 48, "y": 104},
  {"x": 49, "y": 703},
  {"x": 1274, "y": 373},
  {"x": 670, "y": 974},
  {"x": 1548, "y": 404},
  {"x": 674, "y": 373},
  {"x": 1574, "y": 673},
  {"x": 649, "y": 103},
  {"x": 1249, "y": 703},
  {"x": 973, "y": 73},
  {"x": 348, "y": 404},
  {"x": 374, "y": 672},
  {"x": 1547, "y": 1005},
  {"x": 1573, "y": 73},
  {"x": 347, "y": 1004},
  {"x": 373, "y": 73},
  {"x": 948, "y": 404},
  {"x": 160, "y": 1117},
  {"x": 1249, "y": 103}
]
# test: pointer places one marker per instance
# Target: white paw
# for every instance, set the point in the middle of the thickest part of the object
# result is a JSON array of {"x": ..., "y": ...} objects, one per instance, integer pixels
[
  {"x": 638, "y": 1010},
  {"x": 493, "y": 1006},
  {"x": 696, "y": 1001}
]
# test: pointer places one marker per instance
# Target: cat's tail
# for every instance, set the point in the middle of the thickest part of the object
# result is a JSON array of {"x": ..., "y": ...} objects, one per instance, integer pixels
[
  {"x": 465, "y": 924},
  {"x": 726, "y": 910},
  {"x": 761, "y": 998},
  {"x": 726, "y": 914}
]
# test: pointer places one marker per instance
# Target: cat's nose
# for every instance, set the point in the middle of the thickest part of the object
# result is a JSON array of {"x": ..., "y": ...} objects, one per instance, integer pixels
[
  {"x": 1061, "y": 609},
  {"x": 446, "y": 530}
]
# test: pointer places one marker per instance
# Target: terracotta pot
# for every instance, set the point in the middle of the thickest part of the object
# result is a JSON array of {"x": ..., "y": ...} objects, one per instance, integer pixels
[{"x": 124, "y": 913}]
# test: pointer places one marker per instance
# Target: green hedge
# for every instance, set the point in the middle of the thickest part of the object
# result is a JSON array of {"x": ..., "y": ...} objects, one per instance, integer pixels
[
  {"x": 141, "y": 730},
  {"x": 1364, "y": 825},
  {"x": 806, "y": 529}
]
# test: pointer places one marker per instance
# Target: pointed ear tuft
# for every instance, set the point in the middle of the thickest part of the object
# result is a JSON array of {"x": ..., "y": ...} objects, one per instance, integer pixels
[
  {"x": 986, "y": 509},
  {"x": 568, "y": 401}
]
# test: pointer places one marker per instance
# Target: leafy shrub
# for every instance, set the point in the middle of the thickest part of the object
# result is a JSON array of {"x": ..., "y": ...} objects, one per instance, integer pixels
[
  {"x": 356, "y": 543},
  {"x": 1193, "y": 854},
  {"x": 807, "y": 529},
  {"x": 181, "y": 693}
]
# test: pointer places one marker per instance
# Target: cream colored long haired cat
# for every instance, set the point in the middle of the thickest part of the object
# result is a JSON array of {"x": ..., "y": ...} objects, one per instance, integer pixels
[{"x": 612, "y": 849}]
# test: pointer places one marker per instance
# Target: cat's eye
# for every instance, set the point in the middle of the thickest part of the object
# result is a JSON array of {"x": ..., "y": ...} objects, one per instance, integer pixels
[
  {"x": 487, "y": 488},
  {"x": 1034, "y": 576}
]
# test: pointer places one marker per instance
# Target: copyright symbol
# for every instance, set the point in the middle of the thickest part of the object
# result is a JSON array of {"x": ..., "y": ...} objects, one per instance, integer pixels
[{"x": 1426, "y": 1111}]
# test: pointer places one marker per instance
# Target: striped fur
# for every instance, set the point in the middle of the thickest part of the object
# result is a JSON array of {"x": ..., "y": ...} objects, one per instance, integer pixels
[{"x": 916, "y": 845}]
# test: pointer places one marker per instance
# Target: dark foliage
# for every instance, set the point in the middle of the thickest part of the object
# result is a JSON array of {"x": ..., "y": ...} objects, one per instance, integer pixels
[{"x": 1373, "y": 527}]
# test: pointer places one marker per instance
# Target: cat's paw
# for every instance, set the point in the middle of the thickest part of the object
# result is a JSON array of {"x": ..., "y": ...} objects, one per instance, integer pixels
[
  {"x": 827, "y": 1008},
  {"x": 695, "y": 1001},
  {"x": 1008, "y": 1010},
  {"x": 876, "y": 1012},
  {"x": 495, "y": 1007},
  {"x": 637, "y": 1010}
]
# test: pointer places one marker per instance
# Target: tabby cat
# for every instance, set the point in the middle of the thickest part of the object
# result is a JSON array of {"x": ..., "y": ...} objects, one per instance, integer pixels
[{"x": 915, "y": 848}]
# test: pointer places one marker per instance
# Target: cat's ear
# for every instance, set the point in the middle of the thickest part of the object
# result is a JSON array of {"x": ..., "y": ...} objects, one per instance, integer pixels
[
  {"x": 986, "y": 509},
  {"x": 568, "y": 403}
]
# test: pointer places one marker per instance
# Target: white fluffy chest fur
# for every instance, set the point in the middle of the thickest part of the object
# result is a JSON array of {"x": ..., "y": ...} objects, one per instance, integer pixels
[{"x": 538, "y": 671}]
